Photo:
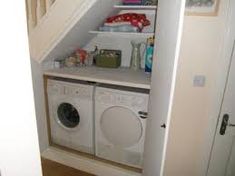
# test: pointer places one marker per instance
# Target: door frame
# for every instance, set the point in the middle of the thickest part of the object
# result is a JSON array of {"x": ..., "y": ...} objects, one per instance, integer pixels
[{"x": 222, "y": 75}]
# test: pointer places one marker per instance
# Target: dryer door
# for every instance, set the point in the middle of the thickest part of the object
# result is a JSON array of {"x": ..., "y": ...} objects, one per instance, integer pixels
[
  {"x": 68, "y": 115},
  {"x": 121, "y": 126}
]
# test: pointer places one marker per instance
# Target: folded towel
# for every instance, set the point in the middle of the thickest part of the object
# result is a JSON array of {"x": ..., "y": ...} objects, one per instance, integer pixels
[{"x": 135, "y": 19}]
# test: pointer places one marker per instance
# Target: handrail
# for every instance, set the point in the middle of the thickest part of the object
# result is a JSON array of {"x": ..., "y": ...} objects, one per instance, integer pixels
[{"x": 36, "y": 9}]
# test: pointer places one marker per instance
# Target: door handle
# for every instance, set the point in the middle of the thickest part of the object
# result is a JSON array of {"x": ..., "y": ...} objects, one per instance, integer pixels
[
  {"x": 225, "y": 123},
  {"x": 163, "y": 125}
]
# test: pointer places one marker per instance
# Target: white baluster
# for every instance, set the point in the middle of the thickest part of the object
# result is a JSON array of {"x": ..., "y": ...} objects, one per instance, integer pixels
[
  {"x": 41, "y": 9},
  {"x": 36, "y": 9},
  {"x": 31, "y": 12},
  {"x": 49, "y": 3}
]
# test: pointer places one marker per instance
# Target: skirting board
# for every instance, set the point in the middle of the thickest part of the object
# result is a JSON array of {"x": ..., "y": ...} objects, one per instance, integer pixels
[{"x": 85, "y": 164}]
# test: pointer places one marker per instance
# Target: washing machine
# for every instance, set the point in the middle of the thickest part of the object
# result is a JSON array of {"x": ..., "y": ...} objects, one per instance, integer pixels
[
  {"x": 120, "y": 123},
  {"x": 71, "y": 115}
]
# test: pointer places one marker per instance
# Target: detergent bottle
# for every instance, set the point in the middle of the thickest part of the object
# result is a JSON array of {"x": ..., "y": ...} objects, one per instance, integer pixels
[{"x": 149, "y": 55}]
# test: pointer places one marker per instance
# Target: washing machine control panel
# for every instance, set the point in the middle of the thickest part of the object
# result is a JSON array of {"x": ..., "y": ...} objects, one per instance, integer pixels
[
  {"x": 54, "y": 88},
  {"x": 69, "y": 89}
]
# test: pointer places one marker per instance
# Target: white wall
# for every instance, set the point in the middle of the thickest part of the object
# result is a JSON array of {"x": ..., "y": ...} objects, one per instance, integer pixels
[
  {"x": 19, "y": 150},
  {"x": 194, "y": 113}
]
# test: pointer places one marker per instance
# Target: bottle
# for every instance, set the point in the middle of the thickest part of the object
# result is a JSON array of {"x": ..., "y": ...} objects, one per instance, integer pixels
[
  {"x": 135, "y": 56},
  {"x": 94, "y": 54},
  {"x": 149, "y": 55}
]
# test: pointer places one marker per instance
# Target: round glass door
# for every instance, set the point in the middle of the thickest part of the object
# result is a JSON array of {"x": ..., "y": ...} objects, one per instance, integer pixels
[
  {"x": 68, "y": 115},
  {"x": 121, "y": 126}
]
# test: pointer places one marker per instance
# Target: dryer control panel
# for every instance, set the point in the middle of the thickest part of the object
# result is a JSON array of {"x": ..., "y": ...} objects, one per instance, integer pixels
[{"x": 122, "y": 98}]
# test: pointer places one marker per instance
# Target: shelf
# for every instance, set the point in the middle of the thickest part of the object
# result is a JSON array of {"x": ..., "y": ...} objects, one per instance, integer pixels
[
  {"x": 132, "y": 34},
  {"x": 119, "y": 76},
  {"x": 137, "y": 7}
]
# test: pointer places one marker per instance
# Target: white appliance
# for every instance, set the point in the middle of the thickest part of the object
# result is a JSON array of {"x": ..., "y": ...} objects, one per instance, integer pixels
[
  {"x": 120, "y": 122},
  {"x": 71, "y": 115}
]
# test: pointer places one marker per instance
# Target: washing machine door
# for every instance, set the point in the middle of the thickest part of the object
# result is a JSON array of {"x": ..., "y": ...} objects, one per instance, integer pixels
[
  {"x": 68, "y": 116},
  {"x": 121, "y": 126}
]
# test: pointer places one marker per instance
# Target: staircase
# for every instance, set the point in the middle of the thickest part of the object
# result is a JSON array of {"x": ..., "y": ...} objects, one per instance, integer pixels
[{"x": 57, "y": 27}]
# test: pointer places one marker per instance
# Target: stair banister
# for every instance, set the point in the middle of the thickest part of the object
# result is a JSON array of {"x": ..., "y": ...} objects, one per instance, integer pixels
[
  {"x": 49, "y": 4},
  {"x": 31, "y": 12},
  {"x": 41, "y": 9}
]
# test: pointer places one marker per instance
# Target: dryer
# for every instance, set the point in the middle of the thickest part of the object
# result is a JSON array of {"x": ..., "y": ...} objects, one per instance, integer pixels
[
  {"x": 120, "y": 122},
  {"x": 71, "y": 115}
]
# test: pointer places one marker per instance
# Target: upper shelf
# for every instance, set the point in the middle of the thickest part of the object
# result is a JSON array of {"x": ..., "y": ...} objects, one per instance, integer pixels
[
  {"x": 136, "y": 7},
  {"x": 131, "y": 34}
]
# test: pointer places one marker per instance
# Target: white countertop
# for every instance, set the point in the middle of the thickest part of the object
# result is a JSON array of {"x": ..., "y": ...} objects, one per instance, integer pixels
[{"x": 119, "y": 76}]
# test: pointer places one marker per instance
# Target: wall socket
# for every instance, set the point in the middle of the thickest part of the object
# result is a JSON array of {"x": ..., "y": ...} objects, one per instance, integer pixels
[{"x": 199, "y": 81}]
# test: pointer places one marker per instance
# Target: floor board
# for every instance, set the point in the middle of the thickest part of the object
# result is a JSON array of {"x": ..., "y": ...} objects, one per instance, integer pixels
[{"x": 51, "y": 168}]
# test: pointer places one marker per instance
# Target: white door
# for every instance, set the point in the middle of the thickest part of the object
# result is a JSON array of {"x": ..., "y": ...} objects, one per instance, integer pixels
[
  {"x": 170, "y": 17},
  {"x": 223, "y": 153}
]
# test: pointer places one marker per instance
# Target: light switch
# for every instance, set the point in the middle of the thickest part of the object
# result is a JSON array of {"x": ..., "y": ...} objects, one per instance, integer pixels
[{"x": 199, "y": 81}]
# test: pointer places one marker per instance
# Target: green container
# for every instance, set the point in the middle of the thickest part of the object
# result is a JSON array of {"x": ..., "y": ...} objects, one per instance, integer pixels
[{"x": 109, "y": 58}]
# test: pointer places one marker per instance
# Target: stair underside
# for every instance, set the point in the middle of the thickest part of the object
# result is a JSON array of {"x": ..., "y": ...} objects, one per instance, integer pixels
[{"x": 66, "y": 27}]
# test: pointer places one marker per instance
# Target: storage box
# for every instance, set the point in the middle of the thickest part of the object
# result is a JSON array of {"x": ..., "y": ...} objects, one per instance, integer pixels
[
  {"x": 108, "y": 58},
  {"x": 132, "y": 2},
  {"x": 139, "y": 2}
]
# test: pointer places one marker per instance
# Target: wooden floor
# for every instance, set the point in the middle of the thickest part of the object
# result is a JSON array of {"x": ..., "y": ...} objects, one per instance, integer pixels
[{"x": 51, "y": 168}]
